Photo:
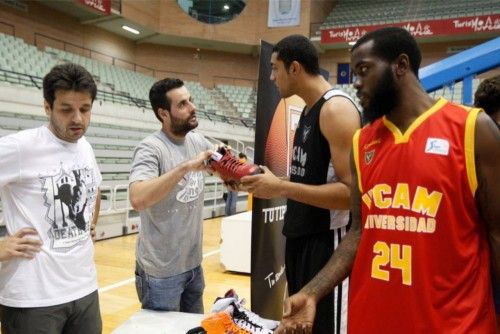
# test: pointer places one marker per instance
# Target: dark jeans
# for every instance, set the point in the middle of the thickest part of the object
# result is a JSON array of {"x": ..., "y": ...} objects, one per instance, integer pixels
[
  {"x": 183, "y": 292},
  {"x": 81, "y": 316}
]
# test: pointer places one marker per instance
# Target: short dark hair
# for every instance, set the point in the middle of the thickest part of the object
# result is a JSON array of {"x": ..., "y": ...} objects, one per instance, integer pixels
[
  {"x": 487, "y": 95},
  {"x": 298, "y": 48},
  {"x": 66, "y": 77},
  {"x": 390, "y": 42},
  {"x": 242, "y": 155},
  {"x": 158, "y": 94}
]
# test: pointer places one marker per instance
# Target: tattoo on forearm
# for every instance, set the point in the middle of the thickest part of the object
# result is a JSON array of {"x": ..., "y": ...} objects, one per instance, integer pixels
[{"x": 338, "y": 267}]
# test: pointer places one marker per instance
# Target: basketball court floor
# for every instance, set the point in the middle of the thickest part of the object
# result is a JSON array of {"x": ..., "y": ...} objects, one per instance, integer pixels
[{"x": 115, "y": 261}]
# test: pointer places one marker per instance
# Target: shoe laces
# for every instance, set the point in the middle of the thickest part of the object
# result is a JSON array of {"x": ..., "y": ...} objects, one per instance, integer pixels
[
  {"x": 248, "y": 320},
  {"x": 230, "y": 163},
  {"x": 251, "y": 315},
  {"x": 234, "y": 328}
]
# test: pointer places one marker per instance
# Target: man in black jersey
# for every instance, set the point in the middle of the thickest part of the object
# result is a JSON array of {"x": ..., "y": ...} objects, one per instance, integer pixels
[{"x": 318, "y": 191}]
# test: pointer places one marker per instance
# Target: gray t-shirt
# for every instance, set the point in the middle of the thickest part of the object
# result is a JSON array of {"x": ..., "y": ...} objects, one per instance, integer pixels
[{"x": 170, "y": 236}]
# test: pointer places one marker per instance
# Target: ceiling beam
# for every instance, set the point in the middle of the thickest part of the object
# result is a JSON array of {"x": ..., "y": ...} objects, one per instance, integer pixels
[
  {"x": 147, "y": 38},
  {"x": 102, "y": 19}
]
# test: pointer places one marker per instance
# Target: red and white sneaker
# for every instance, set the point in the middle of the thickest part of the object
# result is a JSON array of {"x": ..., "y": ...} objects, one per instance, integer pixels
[{"x": 229, "y": 168}]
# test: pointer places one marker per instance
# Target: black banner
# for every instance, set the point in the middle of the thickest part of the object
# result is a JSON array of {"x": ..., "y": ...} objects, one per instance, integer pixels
[
  {"x": 276, "y": 122},
  {"x": 268, "y": 282}
]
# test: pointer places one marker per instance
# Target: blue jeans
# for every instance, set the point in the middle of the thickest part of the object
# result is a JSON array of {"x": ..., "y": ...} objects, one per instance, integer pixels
[
  {"x": 232, "y": 199},
  {"x": 180, "y": 293}
]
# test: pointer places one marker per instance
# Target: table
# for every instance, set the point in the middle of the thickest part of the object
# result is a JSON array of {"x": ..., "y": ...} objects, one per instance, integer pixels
[
  {"x": 160, "y": 322},
  {"x": 236, "y": 235}
]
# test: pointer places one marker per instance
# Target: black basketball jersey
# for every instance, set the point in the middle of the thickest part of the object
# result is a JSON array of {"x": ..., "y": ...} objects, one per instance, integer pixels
[{"x": 309, "y": 165}]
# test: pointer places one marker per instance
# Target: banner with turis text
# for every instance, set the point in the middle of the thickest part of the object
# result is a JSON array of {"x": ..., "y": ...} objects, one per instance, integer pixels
[
  {"x": 419, "y": 28},
  {"x": 101, "y": 6},
  {"x": 275, "y": 126}
]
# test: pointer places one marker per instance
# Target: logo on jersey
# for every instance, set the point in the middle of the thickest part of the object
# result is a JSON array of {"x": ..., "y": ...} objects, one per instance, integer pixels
[
  {"x": 299, "y": 160},
  {"x": 305, "y": 134},
  {"x": 417, "y": 208},
  {"x": 437, "y": 146},
  {"x": 69, "y": 196},
  {"x": 370, "y": 144},
  {"x": 369, "y": 156}
]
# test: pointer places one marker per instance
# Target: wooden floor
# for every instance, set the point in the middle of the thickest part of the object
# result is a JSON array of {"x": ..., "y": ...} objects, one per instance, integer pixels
[{"x": 115, "y": 260}]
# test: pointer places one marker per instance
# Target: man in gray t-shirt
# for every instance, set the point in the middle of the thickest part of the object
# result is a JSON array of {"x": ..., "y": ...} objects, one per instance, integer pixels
[{"x": 166, "y": 187}]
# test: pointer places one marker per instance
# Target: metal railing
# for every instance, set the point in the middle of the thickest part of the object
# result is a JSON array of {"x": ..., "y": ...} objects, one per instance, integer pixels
[{"x": 118, "y": 197}]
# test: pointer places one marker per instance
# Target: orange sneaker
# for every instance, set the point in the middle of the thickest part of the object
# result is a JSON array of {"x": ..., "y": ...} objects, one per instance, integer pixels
[{"x": 221, "y": 323}]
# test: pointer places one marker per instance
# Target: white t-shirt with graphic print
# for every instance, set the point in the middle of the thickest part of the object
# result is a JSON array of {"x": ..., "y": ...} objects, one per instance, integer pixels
[{"x": 50, "y": 185}]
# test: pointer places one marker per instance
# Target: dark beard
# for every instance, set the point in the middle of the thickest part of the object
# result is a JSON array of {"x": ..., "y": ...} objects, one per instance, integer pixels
[
  {"x": 181, "y": 127},
  {"x": 384, "y": 98}
]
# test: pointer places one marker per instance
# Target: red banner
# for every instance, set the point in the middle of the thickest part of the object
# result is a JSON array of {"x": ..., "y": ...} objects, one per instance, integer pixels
[
  {"x": 419, "y": 29},
  {"x": 103, "y": 6}
]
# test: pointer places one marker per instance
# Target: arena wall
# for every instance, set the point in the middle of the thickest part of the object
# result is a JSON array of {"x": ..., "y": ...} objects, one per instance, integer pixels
[{"x": 43, "y": 26}]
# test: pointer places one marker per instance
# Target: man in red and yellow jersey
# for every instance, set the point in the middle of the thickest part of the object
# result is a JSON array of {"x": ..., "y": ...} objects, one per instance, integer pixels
[{"x": 425, "y": 218}]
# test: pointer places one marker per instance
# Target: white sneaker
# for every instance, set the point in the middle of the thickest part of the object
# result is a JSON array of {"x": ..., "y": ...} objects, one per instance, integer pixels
[{"x": 242, "y": 316}]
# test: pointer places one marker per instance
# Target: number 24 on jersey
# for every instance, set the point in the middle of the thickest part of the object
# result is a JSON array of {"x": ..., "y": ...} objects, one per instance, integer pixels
[{"x": 398, "y": 257}]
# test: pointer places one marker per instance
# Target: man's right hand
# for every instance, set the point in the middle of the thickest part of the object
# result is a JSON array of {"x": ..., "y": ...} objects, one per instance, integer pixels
[
  {"x": 298, "y": 315},
  {"x": 20, "y": 245},
  {"x": 264, "y": 185},
  {"x": 198, "y": 163}
]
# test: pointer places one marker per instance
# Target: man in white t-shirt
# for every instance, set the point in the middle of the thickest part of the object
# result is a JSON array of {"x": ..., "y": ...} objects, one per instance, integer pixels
[{"x": 49, "y": 186}]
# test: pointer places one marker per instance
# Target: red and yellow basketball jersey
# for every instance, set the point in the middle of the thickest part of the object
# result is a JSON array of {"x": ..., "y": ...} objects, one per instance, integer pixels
[{"x": 423, "y": 263}]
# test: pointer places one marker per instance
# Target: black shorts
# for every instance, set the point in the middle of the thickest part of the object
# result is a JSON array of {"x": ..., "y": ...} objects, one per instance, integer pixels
[
  {"x": 304, "y": 258},
  {"x": 81, "y": 316}
]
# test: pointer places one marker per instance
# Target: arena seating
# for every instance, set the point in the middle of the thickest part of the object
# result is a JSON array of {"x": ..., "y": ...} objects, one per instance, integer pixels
[
  {"x": 349, "y": 13},
  {"x": 113, "y": 139},
  {"x": 16, "y": 55},
  {"x": 24, "y": 64},
  {"x": 243, "y": 99}
]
